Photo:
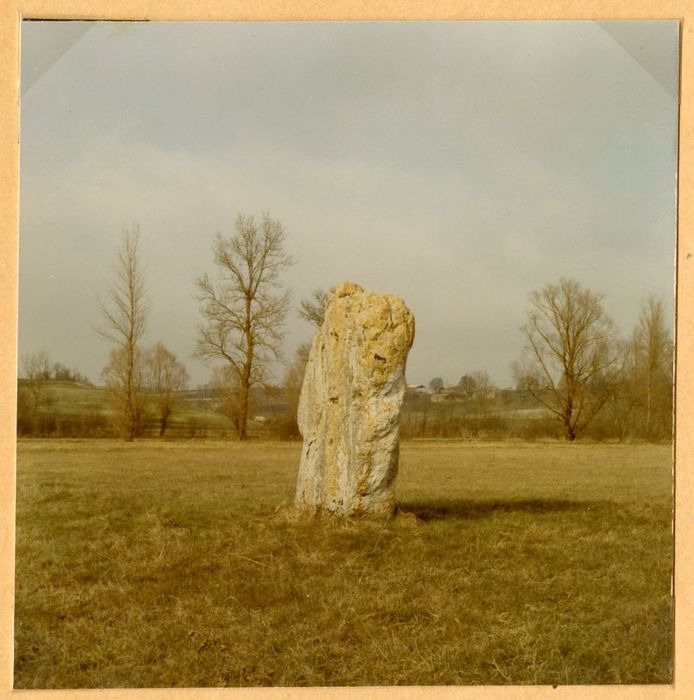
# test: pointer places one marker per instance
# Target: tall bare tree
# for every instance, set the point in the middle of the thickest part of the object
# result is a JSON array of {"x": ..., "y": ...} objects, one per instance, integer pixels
[
  {"x": 652, "y": 366},
  {"x": 245, "y": 307},
  {"x": 571, "y": 355},
  {"x": 165, "y": 377},
  {"x": 123, "y": 324}
]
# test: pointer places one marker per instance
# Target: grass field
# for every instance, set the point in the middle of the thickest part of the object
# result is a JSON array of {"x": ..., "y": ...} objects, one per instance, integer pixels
[{"x": 181, "y": 564}]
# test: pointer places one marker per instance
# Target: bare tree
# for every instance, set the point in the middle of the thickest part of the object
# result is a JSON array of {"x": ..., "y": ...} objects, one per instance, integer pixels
[
  {"x": 571, "y": 356},
  {"x": 37, "y": 370},
  {"x": 482, "y": 384},
  {"x": 436, "y": 385},
  {"x": 123, "y": 324},
  {"x": 652, "y": 364},
  {"x": 620, "y": 411},
  {"x": 124, "y": 375},
  {"x": 245, "y": 307},
  {"x": 313, "y": 311},
  {"x": 62, "y": 373},
  {"x": 480, "y": 379},
  {"x": 313, "y": 308},
  {"x": 466, "y": 385},
  {"x": 165, "y": 377},
  {"x": 291, "y": 387},
  {"x": 224, "y": 384}
]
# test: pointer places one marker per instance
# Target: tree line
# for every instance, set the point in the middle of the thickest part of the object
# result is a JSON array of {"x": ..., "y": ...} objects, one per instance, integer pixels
[
  {"x": 158, "y": 377},
  {"x": 576, "y": 366},
  {"x": 33, "y": 395},
  {"x": 243, "y": 309},
  {"x": 573, "y": 364}
]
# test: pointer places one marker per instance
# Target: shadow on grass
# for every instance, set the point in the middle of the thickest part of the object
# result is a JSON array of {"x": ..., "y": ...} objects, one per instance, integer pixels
[{"x": 472, "y": 510}]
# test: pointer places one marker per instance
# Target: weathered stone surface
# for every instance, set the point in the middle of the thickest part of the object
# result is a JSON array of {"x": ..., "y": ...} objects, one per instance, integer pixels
[{"x": 349, "y": 409}]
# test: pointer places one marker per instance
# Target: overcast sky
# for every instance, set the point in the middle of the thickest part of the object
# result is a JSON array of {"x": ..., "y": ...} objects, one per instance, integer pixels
[{"x": 457, "y": 165}]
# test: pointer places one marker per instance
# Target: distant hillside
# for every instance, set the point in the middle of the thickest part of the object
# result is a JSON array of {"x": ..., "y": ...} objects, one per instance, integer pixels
[{"x": 72, "y": 409}]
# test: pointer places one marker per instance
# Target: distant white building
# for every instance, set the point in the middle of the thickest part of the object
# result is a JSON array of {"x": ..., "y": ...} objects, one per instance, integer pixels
[{"x": 417, "y": 388}]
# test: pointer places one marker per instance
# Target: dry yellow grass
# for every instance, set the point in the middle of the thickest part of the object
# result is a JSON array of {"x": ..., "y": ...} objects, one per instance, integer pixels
[{"x": 181, "y": 564}]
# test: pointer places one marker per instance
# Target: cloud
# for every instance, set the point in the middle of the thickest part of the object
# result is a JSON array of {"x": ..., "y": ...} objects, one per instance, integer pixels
[{"x": 459, "y": 165}]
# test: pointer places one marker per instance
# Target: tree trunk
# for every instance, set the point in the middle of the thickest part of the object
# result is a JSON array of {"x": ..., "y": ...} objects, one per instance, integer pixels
[
  {"x": 243, "y": 409},
  {"x": 129, "y": 391},
  {"x": 568, "y": 424},
  {"x": 244, "y": 392}
]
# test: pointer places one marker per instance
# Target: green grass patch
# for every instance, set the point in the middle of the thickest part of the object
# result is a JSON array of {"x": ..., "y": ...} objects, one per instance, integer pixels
[{"x": 181, "y": 564}]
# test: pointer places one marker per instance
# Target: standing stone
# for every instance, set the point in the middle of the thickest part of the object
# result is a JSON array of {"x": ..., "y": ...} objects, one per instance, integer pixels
[{"x": 349, "y": 409}]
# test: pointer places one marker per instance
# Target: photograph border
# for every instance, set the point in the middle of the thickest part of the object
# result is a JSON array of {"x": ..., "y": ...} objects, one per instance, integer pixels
[{"x": 12, "y": 12}]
